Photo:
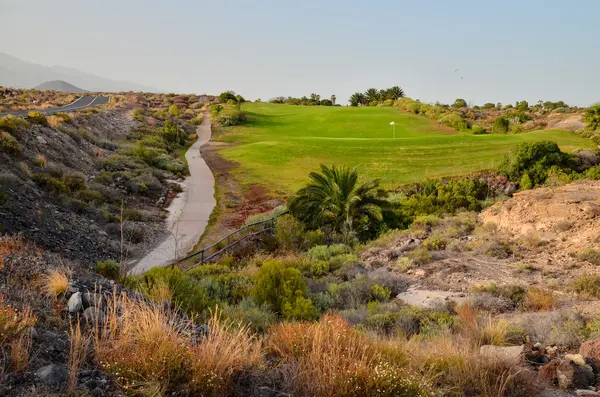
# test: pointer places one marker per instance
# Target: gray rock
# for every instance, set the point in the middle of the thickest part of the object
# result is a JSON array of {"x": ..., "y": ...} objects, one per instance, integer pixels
[
  {"x": 508, "y": 355},
  {"x": 586, "y": 393},
  {"x": 75, "y": 304},
  {"x": 570, "y": 375},
  {"x": 91, "y": 315},
  {"x": 54, "y": 376}
]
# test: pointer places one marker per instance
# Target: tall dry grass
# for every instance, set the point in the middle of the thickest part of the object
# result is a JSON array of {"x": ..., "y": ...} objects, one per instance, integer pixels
[
  {"x": 78, "y": 349},
  {"x": 226, "y": 352},
  {"x": 330, "y": 358},
  {"x": 15, "y": 332},
  {"x": 10, "y": 245}
]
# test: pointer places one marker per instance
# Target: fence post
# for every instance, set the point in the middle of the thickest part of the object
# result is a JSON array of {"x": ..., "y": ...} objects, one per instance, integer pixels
[{"x": 202, "y": 256}]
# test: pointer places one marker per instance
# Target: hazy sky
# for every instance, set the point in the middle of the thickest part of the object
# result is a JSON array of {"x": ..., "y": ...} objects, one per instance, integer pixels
[{"x": 505, "y": 50}]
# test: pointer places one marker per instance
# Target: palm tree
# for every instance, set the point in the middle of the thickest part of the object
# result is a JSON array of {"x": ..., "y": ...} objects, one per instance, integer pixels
[
  {"x": 592, "y": 117},
  {"x": 335, "y": 198},
  {"x": 373, "y": 94},
  {"x": 357, "y": 99},
  {"x": 394, "y": 93}
]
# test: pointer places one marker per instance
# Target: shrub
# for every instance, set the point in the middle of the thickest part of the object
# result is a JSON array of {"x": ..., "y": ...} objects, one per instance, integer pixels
[
  {"x": 291, "y": 235},
  {"x": 454, "y": 120},
  {"x": 230, "y": 117},
  {"x": 435, "y": 243},
  {"x": 591, "y": 255},
  {"x": 9, "y": 143},
  {"x": 37, "y": 118},
  {"x": 420, "y": 256},
  {"x": 326, "y": 252},
  {"x": 50, "y": 184},
  {"x": 380, "y": 293},
  {"x": 538, "y": 299},
  {"x": 174, "y": 111},
  {"x": 109, "y": 269},
  {"x": 478, "y": 130},
  {"x": 12, "y": 124},
  {"x": 588, "y": 285},
  {"x": 74, "y": 181},
  {"x": 249, "y": 313},
  {"x": 501, "y": 126},
  {"x": 534, "y": 159},
  {"x": 284, "y": 290},
  {"x": 40, "y": 160}
]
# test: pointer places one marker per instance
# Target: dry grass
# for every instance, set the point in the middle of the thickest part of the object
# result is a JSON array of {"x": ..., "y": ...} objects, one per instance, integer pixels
[
  {"x": 481, "y": 331},
  {"x": 538, "y": 299},
  {"x": 41, "y": 161},
  {"x": 54, "y": 121},
  {"x": 153, "y": 333},
  {"x": 227, "y": 351},
  {"x": 14, "y": 332},
  {"x": 78, "y": 350},
  {"x": 330, "y": 358},
  {"x": 10, "y": 245},
  {"x": 57, "y": 283}
]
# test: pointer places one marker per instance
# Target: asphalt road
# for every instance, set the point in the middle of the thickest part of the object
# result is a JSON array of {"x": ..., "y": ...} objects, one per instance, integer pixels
[{"x": 80, "y": 103}]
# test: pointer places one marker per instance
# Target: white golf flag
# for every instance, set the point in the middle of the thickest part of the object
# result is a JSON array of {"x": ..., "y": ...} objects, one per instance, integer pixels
[{"x": 393, "y": 123}]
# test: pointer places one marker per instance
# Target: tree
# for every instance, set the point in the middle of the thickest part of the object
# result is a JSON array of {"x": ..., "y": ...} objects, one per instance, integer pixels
[
  {"x": 489, "y": 105},
  {"x": 326, "y": 102},
  {"x": 238, "y": 101},
  {"x": 591, "y": 115},
  {"x": 358, "y": 99},
  {"x": 227, "y": 95},
  {"x": 501, "y": 125},
  {"x": 333, "y": 98},
  {"x": 316, "y": 98},
  {"x": 372, "y": 94},
  {"x": 334, "y": 198},
  {"x": 459, "y": 103},
  {"x": 394, "y": 93},
  {"x": 522, "y": 106}
]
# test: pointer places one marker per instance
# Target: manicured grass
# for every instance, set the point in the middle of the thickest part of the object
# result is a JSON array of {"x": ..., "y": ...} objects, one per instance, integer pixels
[{"x": 281, "y": 144}]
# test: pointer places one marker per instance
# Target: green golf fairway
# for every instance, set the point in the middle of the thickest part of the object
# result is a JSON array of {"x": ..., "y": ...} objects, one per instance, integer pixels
[{"x": 281, "y": 144}]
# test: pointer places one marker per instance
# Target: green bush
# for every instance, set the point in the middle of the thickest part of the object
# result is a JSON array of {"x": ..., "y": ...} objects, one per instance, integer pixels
[
  {"x": 230, "y": 117},
  {"x": 110, "y": 269},
  {"x": 291, "y": 235},
  {"x": 589, "y": 285},
  {"x": 12, "y": 124},
  {"x": 284, "y": 290},
  {"x": 379, "y": 293},
  {"x": 534, "y": 159},
  {"x": 501, "y": 126},
  {"x": 420, "y": 256},
  {"x": 50, "y": 184},
  {"x": 248, "y": 313},
  {"x": 478, "y": 130},
  {"x": 326, "y": 252},
  {"x": 174, "y": 111},
  {"x": 436, "y": 243},
  {"x": 454, "y": 120},
  {"x": 37, "y": 118},
  {"x": 74, "y": 181},
  {"x": 591, "y": 255},
  {"x": 9, "y": 143},
  {"x": 525, "y": 182}
]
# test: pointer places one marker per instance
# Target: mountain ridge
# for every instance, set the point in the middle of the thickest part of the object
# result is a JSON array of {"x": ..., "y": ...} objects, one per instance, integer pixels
[
  {"x": 17, "y": 73},
  {"x": 60, "y": 85}
]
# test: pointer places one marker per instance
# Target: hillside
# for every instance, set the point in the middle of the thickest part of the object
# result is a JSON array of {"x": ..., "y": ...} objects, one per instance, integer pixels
[
  {"x": 59, "y": 85},
  {"x": 22, "y": 74}
]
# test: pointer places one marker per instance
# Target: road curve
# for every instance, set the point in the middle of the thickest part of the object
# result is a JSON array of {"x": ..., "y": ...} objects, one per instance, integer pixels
[
  {"x": 80, "y": 103},
  {"x": 189, "y": 212}
]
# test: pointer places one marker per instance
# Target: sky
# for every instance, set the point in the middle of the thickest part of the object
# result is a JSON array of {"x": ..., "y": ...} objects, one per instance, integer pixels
[{"x": 504, "y": 51}]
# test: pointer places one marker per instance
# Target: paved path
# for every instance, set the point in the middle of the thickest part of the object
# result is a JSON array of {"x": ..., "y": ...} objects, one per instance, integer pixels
[
  {"x": 80, "y": 103},
  {"x": 189, "y": 211}
]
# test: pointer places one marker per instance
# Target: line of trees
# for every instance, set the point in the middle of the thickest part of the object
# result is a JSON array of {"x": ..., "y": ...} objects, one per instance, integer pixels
[
  {"x": 314, "y": 100},
  {"x": 373, "y": 96}
]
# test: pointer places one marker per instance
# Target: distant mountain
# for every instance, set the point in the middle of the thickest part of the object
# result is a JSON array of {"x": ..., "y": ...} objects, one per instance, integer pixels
[
  {"x": 59, "y": 85},
  {"x": 21, "y": 74}
]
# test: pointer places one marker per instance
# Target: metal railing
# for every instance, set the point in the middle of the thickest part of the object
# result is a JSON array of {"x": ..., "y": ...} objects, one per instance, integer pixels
[{"x": 214, "y": 250}]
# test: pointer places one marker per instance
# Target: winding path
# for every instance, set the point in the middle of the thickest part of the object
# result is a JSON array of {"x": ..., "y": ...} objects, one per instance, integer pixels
[
  {"x": 190, "y": 211},
  {"x": 80, "y": 103}
]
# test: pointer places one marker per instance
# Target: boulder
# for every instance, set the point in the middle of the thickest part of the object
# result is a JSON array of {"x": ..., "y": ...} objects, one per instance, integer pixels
[
  {"x": 53, "y": 375},
  {"x": 586, "y": 393},
  {"x": 590, "y": 349},
  {"x": 92, "y": 314},
  {"x": 508, "y": 355},
  {"x": 74, "y": 304},
  {"x": 570, "y": 375}
]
